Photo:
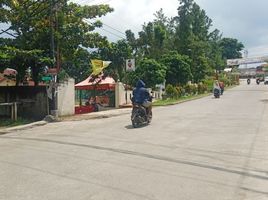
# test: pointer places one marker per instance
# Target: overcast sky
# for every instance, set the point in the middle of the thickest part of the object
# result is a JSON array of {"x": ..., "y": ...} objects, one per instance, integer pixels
[{"x": 245, "y": 20}]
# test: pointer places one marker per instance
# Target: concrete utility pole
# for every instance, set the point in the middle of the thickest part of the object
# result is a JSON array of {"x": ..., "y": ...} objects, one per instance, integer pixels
[
  {"x": 55, "y": 58},
  {"x": 246, "y": 56},
  {"x": 52, "y": 39}
]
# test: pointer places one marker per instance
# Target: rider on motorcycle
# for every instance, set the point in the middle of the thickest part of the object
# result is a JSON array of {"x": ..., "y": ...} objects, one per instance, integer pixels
[
  {"x": 216, "y": 88},
  {"x": 141, "y": 96}
]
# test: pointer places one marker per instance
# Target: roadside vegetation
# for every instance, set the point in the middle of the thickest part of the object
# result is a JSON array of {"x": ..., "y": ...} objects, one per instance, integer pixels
[
  {"x": 178, "y": 94},
  {"x": 7, "y": 122},
  {"x": 174, "y": 49}
]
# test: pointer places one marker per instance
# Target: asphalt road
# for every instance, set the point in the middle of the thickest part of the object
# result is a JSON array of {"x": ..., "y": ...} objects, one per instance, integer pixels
[{"x": 206, "y": 149}]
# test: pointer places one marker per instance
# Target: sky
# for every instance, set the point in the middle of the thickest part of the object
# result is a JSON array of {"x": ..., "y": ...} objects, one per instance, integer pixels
[{"x": 245, "y": 20}]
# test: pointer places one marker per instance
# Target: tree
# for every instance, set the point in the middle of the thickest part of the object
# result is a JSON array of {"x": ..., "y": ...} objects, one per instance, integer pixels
[
  {"x": 231, "y": 48},
  {"x": 21, "y": 60},
  {"x": 192, "y": 37},
  {"x": 183, "y": 28},
  {"x": 56, "y": 27},
  {"x": 150, "y": 71},
  {"x": 117, "y": 52},
  {"x": 214, "y": 54},
  {"x": 201, "y": 23},
  {"x": 151, "y": 40},
  {"x": 178, "y": 68},
  {"x": 132, "y": 41},
  {"x": 78, "y": 67}
]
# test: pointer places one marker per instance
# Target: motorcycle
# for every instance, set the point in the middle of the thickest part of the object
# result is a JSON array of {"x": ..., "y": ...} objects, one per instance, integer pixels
[
  {"x": 258, "y": 81},
  {"x": 140, "y": 114},
  {"x": 221, "y": 90},
  {"x": 248, "y": 81},
  {"x": 216, "y": 93}
]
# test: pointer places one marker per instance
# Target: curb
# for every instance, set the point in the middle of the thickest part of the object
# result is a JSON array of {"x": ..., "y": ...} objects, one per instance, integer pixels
[
  {"x": 97, "y": 115},
  {"x": 184, "y": 100},
  {"x": 22, "y": 127}
]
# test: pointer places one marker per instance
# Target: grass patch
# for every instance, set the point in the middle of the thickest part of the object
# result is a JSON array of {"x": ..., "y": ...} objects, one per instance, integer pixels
[
  {"x": 6, "y": 122},
  {"x": 170, "y": 101}
]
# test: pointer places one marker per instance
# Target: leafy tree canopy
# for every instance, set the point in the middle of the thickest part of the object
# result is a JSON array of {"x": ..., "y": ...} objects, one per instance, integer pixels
[
  {"x": 178, "y": 68},
  {"x": 53, "y": 26},
  {"x": 231, "y": 48},
  {"x": 150, "y": 71}
]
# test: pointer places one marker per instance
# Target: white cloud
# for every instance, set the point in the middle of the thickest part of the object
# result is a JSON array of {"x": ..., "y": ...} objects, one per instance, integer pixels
[
  {"x": 244, "y": 20},
  {"x": 131, "y": 14}
]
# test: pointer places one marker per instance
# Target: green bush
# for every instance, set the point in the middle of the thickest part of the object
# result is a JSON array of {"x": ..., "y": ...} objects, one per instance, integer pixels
[
  {"x": 209, "y": 84},
  {"x": 179, "y": 90},
  {"x": 169, "y": 91},
  {"x": 223, "y": 78},
  {"x": 194, "y": 89},
  {"x": 188, "y": 89},
  {"x": 201, "y": 88}
]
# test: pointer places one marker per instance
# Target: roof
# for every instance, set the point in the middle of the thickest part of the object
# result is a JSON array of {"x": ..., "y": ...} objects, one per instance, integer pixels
[
  {"x": 10, "y": 72},
  {"x": 98, "y": 83}
]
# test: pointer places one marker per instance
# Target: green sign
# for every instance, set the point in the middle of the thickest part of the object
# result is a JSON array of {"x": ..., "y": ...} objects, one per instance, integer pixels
[{"x": 46, "y": 78}]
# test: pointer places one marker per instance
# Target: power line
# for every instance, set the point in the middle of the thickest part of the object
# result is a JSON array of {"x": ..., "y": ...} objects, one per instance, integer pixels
[
  {"x": 114, "y": 29},
  {"x": 112, "y": 33},
  {"x": 106, "y": 30},
  {"x": 85, "y": 1},
  {"x": 90, "y": 1},
  {"x": 104, "y": 2},
  {"x": 118, "y": 31}
]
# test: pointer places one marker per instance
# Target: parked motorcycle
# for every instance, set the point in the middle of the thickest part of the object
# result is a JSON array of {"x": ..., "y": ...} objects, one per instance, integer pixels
[
  {"x": 216, "y": 93},
  {"x": 248, "y": 81}
]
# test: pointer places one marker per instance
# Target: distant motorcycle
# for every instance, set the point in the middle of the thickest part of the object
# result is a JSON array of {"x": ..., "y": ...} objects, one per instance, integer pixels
[
  {"x": 248, "y": 81},
  {"x": 216, "y": 93},
  {"x": 258, "y": 81}
]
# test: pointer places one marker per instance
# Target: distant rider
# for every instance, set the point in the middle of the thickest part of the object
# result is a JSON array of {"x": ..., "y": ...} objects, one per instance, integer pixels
[
  {"x": 216, "y": 86},
  {"x": 221, "y": 84},
  {"x": 142, "y": 96}
]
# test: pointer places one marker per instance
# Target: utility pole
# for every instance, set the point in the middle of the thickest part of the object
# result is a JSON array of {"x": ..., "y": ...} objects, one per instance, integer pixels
[
  {"x": 53, "y": 28},
  {"x": 246, "y": 65},
  {"x": 52, "y": 38},
  {"x": 57, "y": 7},
  {"x": 246, "y": 56}
]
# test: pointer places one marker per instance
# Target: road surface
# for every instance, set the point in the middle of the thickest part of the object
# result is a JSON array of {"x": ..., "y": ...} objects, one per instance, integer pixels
[{"x": 206, "y": 149}]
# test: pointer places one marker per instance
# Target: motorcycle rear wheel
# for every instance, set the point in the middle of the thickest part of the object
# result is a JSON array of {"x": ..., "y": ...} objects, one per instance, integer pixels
[{"x": 135, "y": 124}]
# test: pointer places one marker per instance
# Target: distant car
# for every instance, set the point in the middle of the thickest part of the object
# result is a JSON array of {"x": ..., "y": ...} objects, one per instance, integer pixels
[{"x": 266, "y": 80}]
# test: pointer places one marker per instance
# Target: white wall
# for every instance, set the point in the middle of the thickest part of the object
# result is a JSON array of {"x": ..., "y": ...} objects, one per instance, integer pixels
[
  {"x": 120, "y": 95},
  {"x": 66, "y": 98}
]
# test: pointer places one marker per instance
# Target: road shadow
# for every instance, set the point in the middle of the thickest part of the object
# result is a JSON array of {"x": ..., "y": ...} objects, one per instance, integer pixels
[
  {"x": 141, "y": 126},
  {"x": 243, "y": 172},
  {"x": 264, "y": 101},
  {"x": 129, "y": 127}
]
